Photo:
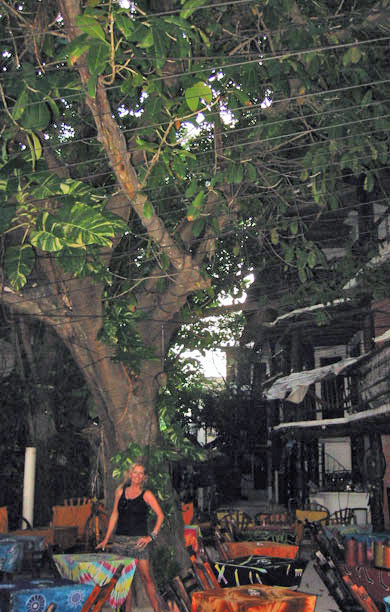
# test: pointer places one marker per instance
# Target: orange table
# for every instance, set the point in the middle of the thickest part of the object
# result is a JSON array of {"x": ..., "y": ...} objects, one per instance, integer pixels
[
  {"x": 265, "y": 549},
  {"x": 253, "y": 598}
]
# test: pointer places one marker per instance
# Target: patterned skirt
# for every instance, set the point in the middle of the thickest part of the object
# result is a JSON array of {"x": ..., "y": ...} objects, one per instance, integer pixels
[{"x": 127, "y": 546}]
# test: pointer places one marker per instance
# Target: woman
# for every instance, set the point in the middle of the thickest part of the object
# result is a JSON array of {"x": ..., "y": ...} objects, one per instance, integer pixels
[{"x": 130, "y": 513}]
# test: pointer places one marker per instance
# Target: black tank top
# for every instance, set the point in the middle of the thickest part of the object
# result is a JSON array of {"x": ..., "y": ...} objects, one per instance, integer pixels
[{"x": 132, "y": 515}]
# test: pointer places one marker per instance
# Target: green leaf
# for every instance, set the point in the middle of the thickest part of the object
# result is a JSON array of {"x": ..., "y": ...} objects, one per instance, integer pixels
[
  {"x": 195, "y": 92},
  {"x": 190, "y": 7},
  {"x": 98, "y": 57},
  {"x": 46, "y": 241},
  {"x": 302, "y": 275},
  {"x": 148, "y": 210},
  {"x": 356, "y": 54},
  {"x": 36, "y": 116},
  {"x": 160, "y": 47},
  {"x": 72, "y": 260},
  {"x": 18, "y": 263},
  {"x": 294, "y": 227},
  {"x": 274, "y": 236},
  {"x": 238, "y": 174},
  {"x": 197, "y": 203},
  {"x": 91, "y": 85},
  {"x": 47, "y": 234},
  {"x": 198, "y": 226},
  {"x": 76, "y": 48},
  {"x": 147, "y": 41},
  {"x": 312, "y": 259},
  {"x": 83, "y": 225},
  {"x": 125, "y": 24},
  {"x": 7, "y": 212},
  {"x": 251, "y": 172},
  {"x": 90, "y": 26},
  {"x": 192, "y": 189},
  {"x": 20, "y": 105},
  {"x": 369, "y": 182}
]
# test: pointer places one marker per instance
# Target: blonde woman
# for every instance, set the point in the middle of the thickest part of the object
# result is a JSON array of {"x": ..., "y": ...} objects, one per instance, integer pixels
[{"x": 130, "y": 515}]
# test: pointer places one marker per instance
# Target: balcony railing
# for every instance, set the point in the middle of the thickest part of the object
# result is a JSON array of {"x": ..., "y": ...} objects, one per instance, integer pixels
[{"x": 374, "y": 379}]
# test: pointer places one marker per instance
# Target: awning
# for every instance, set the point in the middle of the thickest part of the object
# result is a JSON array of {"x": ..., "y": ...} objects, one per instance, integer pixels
[
  {"x": 295, "y": 386},
  {"x": 338, "y": 426}
]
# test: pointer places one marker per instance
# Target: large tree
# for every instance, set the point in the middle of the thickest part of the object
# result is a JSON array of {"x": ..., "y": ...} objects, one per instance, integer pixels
[{"x": 153, "y": 150}]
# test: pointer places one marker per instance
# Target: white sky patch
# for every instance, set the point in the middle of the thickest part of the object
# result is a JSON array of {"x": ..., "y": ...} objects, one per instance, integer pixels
[{"x": 213, "y": 362}]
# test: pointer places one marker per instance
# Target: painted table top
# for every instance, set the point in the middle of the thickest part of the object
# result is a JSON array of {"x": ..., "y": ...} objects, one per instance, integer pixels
[
  {"x": 98, "y": 568},
  {"x": 253, "y": 598},
  {"x": 256, "y": 569},
  {"x": 11, "y": 555},
  {"x": 36, "y": 595}
]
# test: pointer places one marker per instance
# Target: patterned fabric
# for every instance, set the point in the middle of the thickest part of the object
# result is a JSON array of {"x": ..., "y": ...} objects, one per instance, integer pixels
[
  {"x": 11, "y": 555},
  {"x": 256, "y": 598},
  {"x": 259, "y": 570},
  {"x": 36, "y": 595},
  {"x": 98, "y": 568},
  {"x": 126, "y": 546},
  {"x": 265, "y": 549}
]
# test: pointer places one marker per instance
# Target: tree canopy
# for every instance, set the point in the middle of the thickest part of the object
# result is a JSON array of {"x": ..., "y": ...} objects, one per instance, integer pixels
[{"x": 154, "y": 152}]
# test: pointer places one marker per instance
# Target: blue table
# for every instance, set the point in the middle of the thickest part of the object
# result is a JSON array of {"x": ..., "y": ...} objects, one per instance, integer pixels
[
  {"x": 11, "y": 555},
  {"x": 36, "y": 595}
]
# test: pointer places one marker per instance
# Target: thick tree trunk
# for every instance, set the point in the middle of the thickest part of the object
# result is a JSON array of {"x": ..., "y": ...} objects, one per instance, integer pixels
[{"x": 125, "y": 403}]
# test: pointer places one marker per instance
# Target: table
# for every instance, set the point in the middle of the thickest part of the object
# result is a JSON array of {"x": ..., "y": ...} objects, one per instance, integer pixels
[
  {"x": 36, "y": 595},
  {"x": 11, "y": 555},
  {"x": 256, "y": 569},
  {"x": 255, "y": 598},
  {"x": 265, "y": 549},
  {"x": 269, "y": 533},
  {"x": 98, "y": 568},
  {"x": 63, "y": 537},
  {"x": 191, "y": 536}
]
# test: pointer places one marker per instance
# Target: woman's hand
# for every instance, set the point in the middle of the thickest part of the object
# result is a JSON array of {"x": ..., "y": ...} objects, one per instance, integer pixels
[
  {"x": 102, "y": 545},
  {"x": 143, "y": 542}
]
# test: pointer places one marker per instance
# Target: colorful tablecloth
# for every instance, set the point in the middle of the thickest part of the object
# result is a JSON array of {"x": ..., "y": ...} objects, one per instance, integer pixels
[
  {"x": 98, "y": 568},
  {"x": 256, "y": 598},
  {"x": 11, "y": 555},
  {"x": 191, "y": 536},
  {"x": 264, "y": 549},
  {"x": 36, "y": 595},
  {"x": 255, "y": 569}
]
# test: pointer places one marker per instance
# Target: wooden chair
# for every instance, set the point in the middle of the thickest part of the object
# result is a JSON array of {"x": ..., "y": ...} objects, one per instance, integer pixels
[
  {"x": 220, "y": 539},
  {"x": 74, "y": 512},
  {"x": 183, "y": 586},
  {"x": 100, "y": 594},
  {"x": 345, "y": 516},
  {"x": 204, "y": 573}
]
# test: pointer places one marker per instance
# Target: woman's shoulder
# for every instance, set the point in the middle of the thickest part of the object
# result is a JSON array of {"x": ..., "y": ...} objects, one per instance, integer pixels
[
  {"x": 119, "y": 490},
  {"x": 147, "y": 493}
]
